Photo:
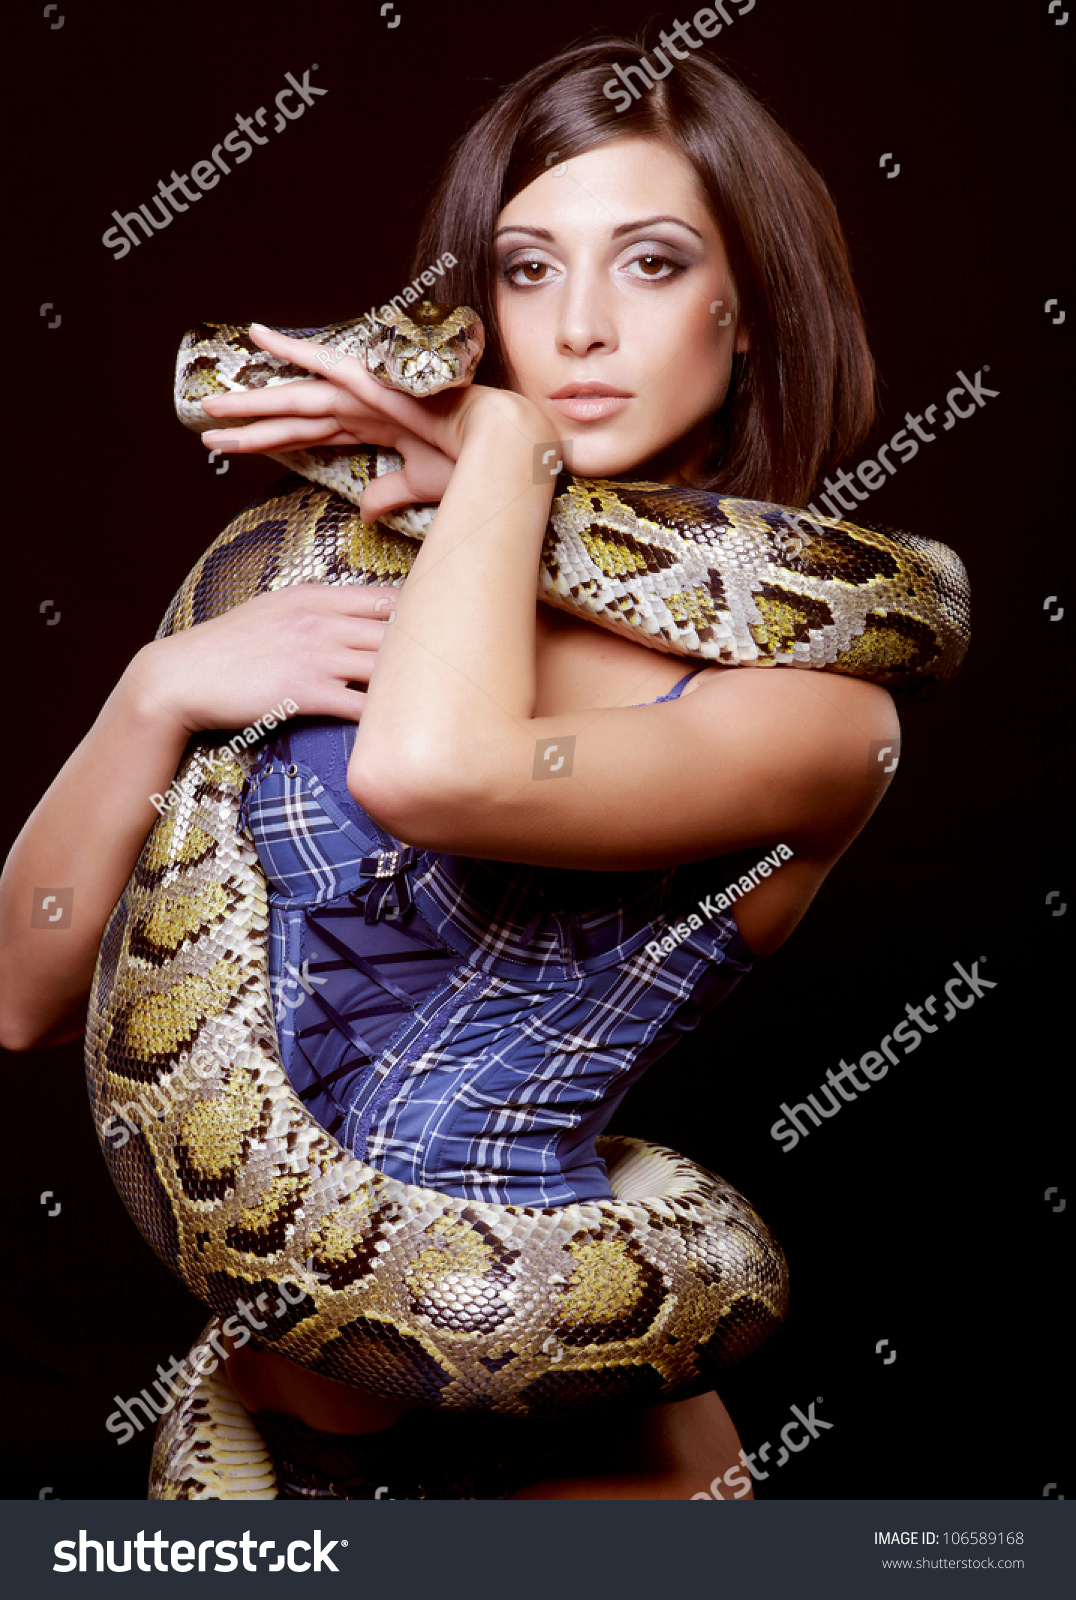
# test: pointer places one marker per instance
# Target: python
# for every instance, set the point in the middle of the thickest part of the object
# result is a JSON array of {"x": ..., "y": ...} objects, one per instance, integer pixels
[{"x": 206, "y": 1063}]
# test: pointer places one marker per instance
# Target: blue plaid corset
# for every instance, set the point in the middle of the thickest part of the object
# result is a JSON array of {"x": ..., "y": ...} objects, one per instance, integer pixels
[{"x": 467, "y": 1026}]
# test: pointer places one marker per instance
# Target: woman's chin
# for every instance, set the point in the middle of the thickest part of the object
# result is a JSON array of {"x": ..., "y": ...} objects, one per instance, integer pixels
[
  {"x": 606, "y": 464},
  {"x": 640, "y": 461}
]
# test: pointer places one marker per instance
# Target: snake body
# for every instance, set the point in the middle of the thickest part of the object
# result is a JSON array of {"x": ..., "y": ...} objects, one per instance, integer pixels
[
  {"x": 449, "y": 1302},
  {"x": 739, "y": 582}
]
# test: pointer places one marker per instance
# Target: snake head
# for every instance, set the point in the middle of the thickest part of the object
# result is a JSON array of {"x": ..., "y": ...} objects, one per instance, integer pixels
[{"x": 425, "y": 349}]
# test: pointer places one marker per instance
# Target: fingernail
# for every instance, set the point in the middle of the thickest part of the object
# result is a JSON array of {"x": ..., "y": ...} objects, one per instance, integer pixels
[{"x": 259, "y": 327}]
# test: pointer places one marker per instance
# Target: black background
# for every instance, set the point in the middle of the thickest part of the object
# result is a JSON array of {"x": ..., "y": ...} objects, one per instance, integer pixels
[{"x": 918, "y": 1214}]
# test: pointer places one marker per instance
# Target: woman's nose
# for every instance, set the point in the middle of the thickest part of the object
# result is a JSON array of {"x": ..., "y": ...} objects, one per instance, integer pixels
[{"x": 585, "y": 324}]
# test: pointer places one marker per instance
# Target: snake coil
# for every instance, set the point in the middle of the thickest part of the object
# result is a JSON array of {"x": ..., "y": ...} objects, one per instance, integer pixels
[{"x": 408, "y": 1292}]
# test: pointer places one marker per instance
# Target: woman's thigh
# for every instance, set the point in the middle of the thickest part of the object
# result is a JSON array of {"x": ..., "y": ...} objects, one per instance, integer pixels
[
  {"x": 667, "y": 1452},
  {"x": 264, "y": 1381}
]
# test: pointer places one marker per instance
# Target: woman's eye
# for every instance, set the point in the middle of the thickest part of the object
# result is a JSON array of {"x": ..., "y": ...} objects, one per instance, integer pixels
[
  {"x": 652, "y": 266},
  {"x": 526, "y": 271},
  {"x": 657, "y": 268}
]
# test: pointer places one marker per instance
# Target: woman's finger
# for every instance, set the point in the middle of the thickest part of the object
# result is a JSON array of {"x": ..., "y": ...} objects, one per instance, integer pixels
[
  {"x": 316, "y": 357},
  {"x": 361, "y": 636},
  {"x": 307, "y": 353},
  {"x": 343, "y": 600},
  {"x": 307, "y": 398},
  {"x": 358, "y": 603},
  {"x": 337, "y": 700},
  {"x": 301, "y": 396},
  {"x": 359, "y": 664},
  {"x": 348, "y": 374},
  {"x": 391, "y": 492},
  {"x": 428, "y": 469},
  {"x": 278, "y": 433}
]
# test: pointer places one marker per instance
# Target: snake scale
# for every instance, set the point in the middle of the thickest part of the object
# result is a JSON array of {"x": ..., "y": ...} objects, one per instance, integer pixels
[{"x": 449, "y": 1302}]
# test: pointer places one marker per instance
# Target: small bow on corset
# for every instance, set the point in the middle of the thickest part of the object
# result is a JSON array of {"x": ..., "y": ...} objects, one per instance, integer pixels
[{"x": 391, "y": 888}]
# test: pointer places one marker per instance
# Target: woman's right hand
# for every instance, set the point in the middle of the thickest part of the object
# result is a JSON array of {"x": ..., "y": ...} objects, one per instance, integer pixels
[
  {"x": 306, "y": 643},
  {"x": 344, "y": 405}
]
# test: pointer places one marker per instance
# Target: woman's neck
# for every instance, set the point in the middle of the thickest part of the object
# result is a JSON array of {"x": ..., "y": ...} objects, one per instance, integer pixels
[{"x": 681, "y": 463}]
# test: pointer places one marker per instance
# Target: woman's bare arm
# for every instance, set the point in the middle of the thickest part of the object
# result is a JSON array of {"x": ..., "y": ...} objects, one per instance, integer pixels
[
  {"x": 84, "y": 836},
  {"x": 306, "y": 643},
  {"x": 450, "y": 753}
]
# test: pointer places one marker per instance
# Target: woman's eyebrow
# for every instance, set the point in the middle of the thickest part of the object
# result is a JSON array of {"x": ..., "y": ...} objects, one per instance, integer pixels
[
  {"x": 625, "y": 227},
  {"x": 650, "y": 222},
  {"x": 518, "y": 227}
]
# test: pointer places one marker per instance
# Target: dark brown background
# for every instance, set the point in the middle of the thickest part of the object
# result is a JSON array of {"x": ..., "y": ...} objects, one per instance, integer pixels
[{"x": 917, "y": 1215}]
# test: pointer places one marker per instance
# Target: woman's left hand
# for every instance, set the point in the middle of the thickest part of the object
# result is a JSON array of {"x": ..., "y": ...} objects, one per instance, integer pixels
[{"x": 345, "y": 406}]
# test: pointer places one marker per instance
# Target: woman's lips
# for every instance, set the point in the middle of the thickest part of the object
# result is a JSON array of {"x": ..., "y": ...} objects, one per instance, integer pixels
[{"x": 591, "y": 407}]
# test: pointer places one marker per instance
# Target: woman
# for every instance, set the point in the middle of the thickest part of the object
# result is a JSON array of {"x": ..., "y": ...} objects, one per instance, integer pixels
[{"x": 666, "y": 290}]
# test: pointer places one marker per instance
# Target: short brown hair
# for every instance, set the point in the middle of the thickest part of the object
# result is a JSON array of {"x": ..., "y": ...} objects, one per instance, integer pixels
[{"x": 803, "y": 396}]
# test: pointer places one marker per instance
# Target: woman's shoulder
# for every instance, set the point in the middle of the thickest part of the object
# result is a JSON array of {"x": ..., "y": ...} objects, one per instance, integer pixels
[
  {"x": 785, "y": 689},
  {"x": 831, "y": 740}
]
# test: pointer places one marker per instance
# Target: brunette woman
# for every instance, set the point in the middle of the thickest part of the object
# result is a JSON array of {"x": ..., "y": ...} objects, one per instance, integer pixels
[{"x": 666, "y": 289}]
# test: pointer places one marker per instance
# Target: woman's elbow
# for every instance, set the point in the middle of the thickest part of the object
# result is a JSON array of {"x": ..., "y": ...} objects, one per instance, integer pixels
[
  {"x": 20, "y": 1032},
  {"x": 13, "y": 1039},
  {"x": 410, "y": 790},
  {"x": 16, "y": 1035}
]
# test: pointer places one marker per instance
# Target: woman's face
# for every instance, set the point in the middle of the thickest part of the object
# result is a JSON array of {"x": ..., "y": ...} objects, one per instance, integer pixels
[{"x": 613, "y": 287}]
